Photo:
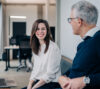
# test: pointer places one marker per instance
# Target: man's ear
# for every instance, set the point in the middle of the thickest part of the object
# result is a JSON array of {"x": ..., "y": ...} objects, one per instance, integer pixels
[{"x": 79, "y": 21}]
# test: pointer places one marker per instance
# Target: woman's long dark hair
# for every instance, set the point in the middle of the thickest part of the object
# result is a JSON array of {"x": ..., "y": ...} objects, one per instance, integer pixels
[{"x": 35, "y": 45}]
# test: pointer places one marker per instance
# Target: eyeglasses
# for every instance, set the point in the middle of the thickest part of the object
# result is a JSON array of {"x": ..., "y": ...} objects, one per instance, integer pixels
[{"x": 70, "y": 19}]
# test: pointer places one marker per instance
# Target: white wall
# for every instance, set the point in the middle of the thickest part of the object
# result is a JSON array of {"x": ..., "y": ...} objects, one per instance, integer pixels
[
  {"x": 52, "y": 15},
  {"x": 25, "y": 10},
  {"x": 1, "y": 32},
  {"x": 58, "y": 22},
  {"x": 0, "y": 21},
  {"x": 29, "y": 1},
  {"x": 68, "y": 41}
]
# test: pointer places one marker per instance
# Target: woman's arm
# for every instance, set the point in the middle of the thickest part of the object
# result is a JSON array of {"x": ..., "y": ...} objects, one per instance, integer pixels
[
  {"x": 53, "y": 67},
  {"x": 30, "y": 84},
  {"x": 39, "y": 84}
]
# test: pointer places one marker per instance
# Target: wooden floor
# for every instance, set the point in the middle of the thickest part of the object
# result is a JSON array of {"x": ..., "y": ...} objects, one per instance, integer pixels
[
  {"x": 4, "y": 88},
  {"x": 21, "y": 77}
]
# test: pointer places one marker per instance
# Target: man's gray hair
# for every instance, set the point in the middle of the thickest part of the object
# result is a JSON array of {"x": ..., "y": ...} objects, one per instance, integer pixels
[{"x": 86, "y": 11}]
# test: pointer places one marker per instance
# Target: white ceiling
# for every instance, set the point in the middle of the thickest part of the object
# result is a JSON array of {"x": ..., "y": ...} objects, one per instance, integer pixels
[{"x": 30, "y": 1}]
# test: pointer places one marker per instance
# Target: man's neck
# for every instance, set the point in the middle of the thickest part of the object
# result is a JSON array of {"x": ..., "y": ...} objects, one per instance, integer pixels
[{"x": 86, "y": 29}]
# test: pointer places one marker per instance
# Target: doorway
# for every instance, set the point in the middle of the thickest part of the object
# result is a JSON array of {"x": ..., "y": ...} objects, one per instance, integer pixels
[{"x": 19, "y": 30}]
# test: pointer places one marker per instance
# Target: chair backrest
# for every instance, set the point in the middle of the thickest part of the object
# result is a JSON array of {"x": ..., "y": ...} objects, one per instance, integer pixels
[
  {"x": 25, "y": 48},
  {"x": 65, "y": 66},
  {"x": 24, "y": 44},
  {"x": 4, "y": 56}
]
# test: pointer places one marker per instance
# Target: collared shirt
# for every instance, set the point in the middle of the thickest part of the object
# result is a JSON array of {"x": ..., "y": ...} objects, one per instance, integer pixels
[
  {"x": 91, "y": 32},
  {"x": 47, "y": 65}
]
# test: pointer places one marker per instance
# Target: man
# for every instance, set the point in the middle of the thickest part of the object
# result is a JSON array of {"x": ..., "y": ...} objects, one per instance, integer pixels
[{"x": 85, "y": 71}]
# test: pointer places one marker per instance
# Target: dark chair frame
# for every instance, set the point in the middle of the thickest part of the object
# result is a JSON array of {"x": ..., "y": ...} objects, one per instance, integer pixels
[{"x": 24, "y": 52}]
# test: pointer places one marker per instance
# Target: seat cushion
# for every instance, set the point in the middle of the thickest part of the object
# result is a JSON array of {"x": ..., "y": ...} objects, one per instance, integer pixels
[{"x": 65, "y": 66}]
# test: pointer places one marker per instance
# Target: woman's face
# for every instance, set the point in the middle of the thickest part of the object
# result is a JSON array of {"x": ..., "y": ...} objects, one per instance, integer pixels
[{"x": 41, "y": 31}]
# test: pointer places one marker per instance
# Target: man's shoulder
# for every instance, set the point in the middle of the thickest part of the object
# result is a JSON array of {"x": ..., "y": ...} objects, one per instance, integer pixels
[{"x": 97, "y": 34}]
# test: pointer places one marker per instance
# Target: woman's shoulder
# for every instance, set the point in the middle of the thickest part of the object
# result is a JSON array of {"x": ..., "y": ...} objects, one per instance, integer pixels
[
  {"x": 53, "y": 45},
  {"x": 54, "y": 49}
]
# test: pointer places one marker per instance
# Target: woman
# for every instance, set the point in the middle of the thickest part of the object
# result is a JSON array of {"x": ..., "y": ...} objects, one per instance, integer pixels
[{"x": 47, "y": 57}]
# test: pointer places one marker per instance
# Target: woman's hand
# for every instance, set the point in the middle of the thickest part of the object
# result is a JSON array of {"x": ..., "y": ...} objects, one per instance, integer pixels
[
  {"x": 30, "y": 84},
  {"x": 39, "y": 84},
  {"x": 33, "y": 88}
]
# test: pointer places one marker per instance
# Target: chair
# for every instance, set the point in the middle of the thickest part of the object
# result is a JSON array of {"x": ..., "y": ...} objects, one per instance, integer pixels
[
  {"x": 24, "y": 52},
  {"x": 4, "y": 56}
]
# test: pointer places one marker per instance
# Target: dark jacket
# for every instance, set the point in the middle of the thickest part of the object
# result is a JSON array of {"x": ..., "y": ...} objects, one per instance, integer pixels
[{"x": 87, "y": 61}]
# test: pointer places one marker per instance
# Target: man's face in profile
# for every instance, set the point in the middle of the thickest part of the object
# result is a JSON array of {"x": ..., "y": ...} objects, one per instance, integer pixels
[{"x": 75, "y": 23}]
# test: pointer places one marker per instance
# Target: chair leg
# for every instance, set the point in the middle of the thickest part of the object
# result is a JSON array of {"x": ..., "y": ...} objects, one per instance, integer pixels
[
  {"x": 25, "y": 63},
  {"x": 19, "y": 67},
  {"x": 20, "y": 61},
  {"x": 20, "y": 64},
  {"x": 29, "y": 65}
]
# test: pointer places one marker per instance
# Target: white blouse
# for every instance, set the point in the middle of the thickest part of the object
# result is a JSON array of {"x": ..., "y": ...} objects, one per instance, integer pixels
[{"x": 47, "y": 65}]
